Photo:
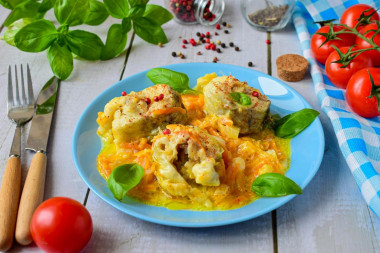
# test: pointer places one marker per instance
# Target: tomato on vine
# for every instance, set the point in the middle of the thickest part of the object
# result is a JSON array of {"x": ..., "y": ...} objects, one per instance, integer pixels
[
  {"x": 342, "y": 64},
  {"x": 363, "y": 12},
  {"x": 322, "y": 49},
  {"x": 368, "y": 31},
  {"x": 363, "y": 92}
]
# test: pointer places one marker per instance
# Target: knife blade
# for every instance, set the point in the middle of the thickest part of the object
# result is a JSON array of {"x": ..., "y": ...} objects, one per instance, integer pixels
[{"x": 33, "y": 191}]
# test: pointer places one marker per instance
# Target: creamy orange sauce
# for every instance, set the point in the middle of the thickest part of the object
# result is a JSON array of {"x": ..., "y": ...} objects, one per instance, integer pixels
[{"x": 245, "y": 158}]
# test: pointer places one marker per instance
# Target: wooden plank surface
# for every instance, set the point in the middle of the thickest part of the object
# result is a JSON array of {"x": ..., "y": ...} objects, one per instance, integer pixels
[{"x": 330, "y": 216}]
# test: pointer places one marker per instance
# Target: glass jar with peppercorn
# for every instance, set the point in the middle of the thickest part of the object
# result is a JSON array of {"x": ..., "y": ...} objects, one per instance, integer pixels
[
  {"x": 267, "y": 15},
  {"x": 204, "y": 12}
]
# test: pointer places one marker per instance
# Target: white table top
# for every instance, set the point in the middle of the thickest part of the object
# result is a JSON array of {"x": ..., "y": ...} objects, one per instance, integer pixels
[{"x": 330, "y": 216}]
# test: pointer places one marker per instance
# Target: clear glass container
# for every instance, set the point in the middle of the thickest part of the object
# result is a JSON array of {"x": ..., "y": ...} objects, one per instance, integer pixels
[
  {"x": 204, "y": 12},
  {"x": 267, "y": 15}
]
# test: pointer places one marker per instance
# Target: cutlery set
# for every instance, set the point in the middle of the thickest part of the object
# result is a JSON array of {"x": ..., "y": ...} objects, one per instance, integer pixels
[{"x": 15, "y": 212}]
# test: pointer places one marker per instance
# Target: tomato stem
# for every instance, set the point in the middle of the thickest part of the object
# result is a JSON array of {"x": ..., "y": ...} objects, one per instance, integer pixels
[{"x": 375, "y": 91}]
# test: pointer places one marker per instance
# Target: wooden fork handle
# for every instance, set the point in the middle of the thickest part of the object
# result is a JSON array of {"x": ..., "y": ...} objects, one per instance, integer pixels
[
  {"x": 32, "y": 196},
  {"x": 9, "y": 198}
]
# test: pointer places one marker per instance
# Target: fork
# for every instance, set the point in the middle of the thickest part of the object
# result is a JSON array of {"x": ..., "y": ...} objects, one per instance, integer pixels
[{"x": 20, "y": 110}]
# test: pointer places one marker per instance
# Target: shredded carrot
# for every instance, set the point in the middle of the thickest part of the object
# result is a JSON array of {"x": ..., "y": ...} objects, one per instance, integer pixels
[{"x": 168, "y": 111}]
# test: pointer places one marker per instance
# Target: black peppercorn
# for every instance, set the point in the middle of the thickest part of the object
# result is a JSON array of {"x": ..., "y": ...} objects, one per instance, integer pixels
[
  {"x": 224, "y": 23},
  {"x": 174, "y": 54},
  {"x": 223, "y": 45},
  {"x": 225, "y": 31},
  {"x": 236, "y": 48},
  {"x": 231, "y": 44},
  {"x": 250, "y": 64}
]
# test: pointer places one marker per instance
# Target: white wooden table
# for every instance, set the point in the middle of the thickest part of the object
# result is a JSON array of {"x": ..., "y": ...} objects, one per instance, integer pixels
[{"x": 330, "y": 216}]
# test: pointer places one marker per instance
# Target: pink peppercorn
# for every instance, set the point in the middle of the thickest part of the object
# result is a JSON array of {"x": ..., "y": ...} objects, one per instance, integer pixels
[
  {"x": 203, "y": 35},
  {"x": 218, "y": 26},
  {"x": 208, "y": 33},
  {"x": 156, "y": 99},
  {"x": 267, "y": 41},
  {"x": 123, "y": 93},
  {"x": 148, "y": 101},
  {"x": 183, "y": 46},
  {"x": 184, "y": 41},
  {"x": 207, "y": 40},
  {"x": 166, "y": 131},
  {"x": 255, "y": 94},
  {"x": 161, "y": 96}
]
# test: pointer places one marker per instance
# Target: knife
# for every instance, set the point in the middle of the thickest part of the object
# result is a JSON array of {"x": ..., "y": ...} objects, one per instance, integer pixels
[{"x": 33, "y": 191}]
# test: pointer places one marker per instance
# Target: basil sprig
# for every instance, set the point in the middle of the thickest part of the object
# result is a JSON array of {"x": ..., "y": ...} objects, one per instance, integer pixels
[
  {"x": 176, "y": 80},
  {"x": 274, "y": 185},
  {"x": 241, "y": 98},
  {"x": 123, "y": 178},
  {"x": 294, "y": 123},
  {"x": 32, "y": 33}
]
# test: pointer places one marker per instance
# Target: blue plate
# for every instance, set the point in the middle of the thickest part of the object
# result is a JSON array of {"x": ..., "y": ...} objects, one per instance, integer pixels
[{"x": 307, "y": 147}]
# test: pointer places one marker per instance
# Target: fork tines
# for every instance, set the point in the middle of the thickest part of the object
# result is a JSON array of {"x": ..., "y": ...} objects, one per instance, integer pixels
[{"x": 15, "y": 99}]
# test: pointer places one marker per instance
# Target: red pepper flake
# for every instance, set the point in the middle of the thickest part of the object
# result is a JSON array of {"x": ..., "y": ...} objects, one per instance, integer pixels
[
  {"x": 166, "y": 131},
  {"x": 183, "y": 46},
  {"x": 255, "y": 94},
  {"x": 156, "y": 99},
  {"x": 217, "y": 26},
  {"x": 268, "y": 42},
  {"x": 148, "y": 101},
  {"x": 123, "y": 93},
  {"x": 184, "y": 41},
  {"x": 161, "y": 96}
]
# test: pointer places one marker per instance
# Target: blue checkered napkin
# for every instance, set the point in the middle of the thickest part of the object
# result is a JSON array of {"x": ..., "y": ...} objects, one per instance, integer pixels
[{"x": 358, "y": 138}]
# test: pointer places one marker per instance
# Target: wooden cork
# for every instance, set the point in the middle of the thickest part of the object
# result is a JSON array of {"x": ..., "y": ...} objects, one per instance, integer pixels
[{"x": 291, "y": 67}]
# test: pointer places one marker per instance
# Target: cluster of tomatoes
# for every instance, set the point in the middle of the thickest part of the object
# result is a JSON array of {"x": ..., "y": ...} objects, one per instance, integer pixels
[{"x": 349, "y": 61}]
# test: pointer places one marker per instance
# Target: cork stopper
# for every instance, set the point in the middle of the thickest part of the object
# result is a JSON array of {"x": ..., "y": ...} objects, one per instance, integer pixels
[{"x": 291, "y": 67}]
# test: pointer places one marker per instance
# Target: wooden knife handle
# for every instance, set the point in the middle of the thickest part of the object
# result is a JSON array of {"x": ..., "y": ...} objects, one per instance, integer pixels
[
  {"x": 32, "y": 196},
  {"x": 9, "y": 197}
]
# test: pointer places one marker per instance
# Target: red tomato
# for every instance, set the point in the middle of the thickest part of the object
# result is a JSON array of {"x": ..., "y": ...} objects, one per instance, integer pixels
[
  {"x": 61, "y": 224},
  {"x": 374, "y": 54},
  {"x": 351, "y": 15},
  {"x": 322, "y": 52},
  {"x": 358, "y": 91},
  {"x": 340, "y": 76}
]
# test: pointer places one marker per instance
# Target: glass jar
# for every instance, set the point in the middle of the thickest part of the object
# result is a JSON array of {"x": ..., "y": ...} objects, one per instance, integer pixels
[
  {"x": 204, "y": 12},
  {"x": 267, "y": 15}
]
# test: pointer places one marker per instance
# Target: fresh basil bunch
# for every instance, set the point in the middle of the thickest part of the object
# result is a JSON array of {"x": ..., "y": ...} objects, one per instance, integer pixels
[{"x": 29, "y": 32}]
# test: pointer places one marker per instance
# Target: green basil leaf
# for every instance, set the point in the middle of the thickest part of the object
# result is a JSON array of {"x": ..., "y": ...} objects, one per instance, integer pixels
[
  {"x": 115, "y": 43},
  {"x": 157, "y": 14},
  {"x": 274, "y": 185},
  {"x": 47, "y": 106},
  {"x": 84, "y": 44},
  {"x": 46, "y": 5},
  {"x": 123, "y": 178},
  {"x": 149, "y": 31},
  {"x": 10, "y": 4},
  {"x": 126, "y": 24},
  {"x": 241, "y": 98},
  {"x": 294, "y": 123},
  {"x": 36, "y": 36},
  {"x": 71, "y": 12},
  {"x": 137, "y": 2},
  {"x": 10, "y": 33},
  {"x": 176, "y": 80},
  {"x": 117, "y": 8},
  {"x": 98, "y": 13},
  {"x": 61, "y": 60},
  {"x": 136, "y": 11},
  {"x": 6, "y": 4},
  {"x": 27, "y": 9}
]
